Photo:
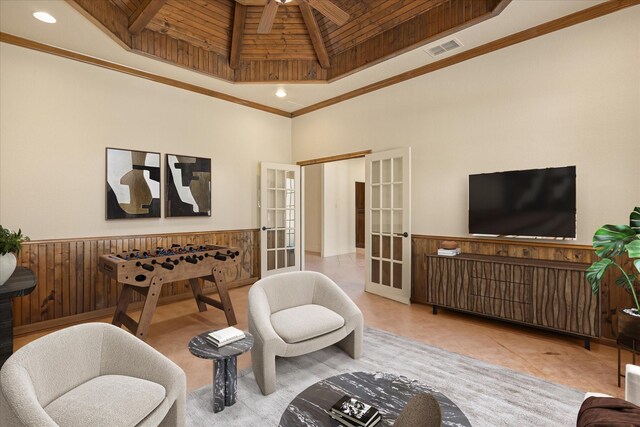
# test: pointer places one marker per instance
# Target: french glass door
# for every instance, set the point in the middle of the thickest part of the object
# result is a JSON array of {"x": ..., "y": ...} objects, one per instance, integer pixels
[
  {"x": 280, "y": 218},
  {"x": 388, "y": 224}
]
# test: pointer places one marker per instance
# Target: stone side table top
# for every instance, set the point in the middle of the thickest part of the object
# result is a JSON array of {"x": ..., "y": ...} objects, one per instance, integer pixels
[
  {"x": 21, "y": 283},
  {"x": 200, "y": 347}
]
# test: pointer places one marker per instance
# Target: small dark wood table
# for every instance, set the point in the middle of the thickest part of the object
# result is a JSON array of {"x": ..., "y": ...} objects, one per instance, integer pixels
[
  {"x": 386, "y": 392},
  {"x": 21, "y": 282},
  {"x": 631, "y": 344},
  {"x": 225, "y": 366}
]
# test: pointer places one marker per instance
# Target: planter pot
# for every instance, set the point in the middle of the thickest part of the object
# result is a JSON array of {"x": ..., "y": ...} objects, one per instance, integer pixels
[
  {"x": 629, "y": 323},
  {"x": 7, "y": 267}
]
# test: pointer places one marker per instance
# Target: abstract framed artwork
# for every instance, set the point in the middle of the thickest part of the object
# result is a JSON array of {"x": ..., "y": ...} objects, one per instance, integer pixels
[
  {"x": 133, "y": 184},
  {"x": 188, "y": 186}
]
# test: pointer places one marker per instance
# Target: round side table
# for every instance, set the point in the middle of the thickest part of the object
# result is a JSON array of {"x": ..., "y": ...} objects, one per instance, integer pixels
[
  {"x": 387, "y": 392},
  {"x": 225, "y": 366},
  {"x": 21, "y": 283}
]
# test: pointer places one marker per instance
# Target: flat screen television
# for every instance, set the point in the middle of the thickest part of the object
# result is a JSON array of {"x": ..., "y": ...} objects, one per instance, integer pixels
[{"x": 527, "y": 203}]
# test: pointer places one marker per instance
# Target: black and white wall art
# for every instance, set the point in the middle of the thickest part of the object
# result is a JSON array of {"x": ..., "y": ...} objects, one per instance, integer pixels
[
  {"x": 133, "y": 184},
  {"x": 188, "y": 186}
]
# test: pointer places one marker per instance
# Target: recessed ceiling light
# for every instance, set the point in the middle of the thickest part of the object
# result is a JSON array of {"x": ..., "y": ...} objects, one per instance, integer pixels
[
  {"x": 281, "y": 93},
  {"x": 283, "y": 1},
  {"x": 45, "y": 17}
]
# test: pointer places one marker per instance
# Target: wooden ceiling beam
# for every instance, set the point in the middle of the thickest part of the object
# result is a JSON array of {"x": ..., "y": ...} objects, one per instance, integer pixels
[
  {"x": 144, "y": 14},
  {"x": 268, "y": 16},
  {"x": 316, "y": 36},
  {"x": 239, "y": 17},
  {"x": 330, "y": 10}
]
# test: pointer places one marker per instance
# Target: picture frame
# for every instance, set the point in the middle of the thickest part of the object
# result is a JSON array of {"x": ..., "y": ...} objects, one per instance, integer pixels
[
  {"x": 132, "y": 184},
  {"x": 187, "y": 186}
]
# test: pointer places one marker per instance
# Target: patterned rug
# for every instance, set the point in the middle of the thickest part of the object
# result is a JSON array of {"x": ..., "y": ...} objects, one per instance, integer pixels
[{"x": 489, "y": 395}]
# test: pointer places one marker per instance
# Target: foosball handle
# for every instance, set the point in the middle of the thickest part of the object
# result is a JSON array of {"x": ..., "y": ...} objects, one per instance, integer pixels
[{"x": 167, "y": 265}]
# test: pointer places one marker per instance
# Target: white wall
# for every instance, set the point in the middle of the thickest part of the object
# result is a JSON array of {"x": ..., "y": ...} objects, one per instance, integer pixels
[
  {"x": 338, "y": 231},
  {"x": 58, "y": 116},
  {"x": 568, "y": 98},
  {"x": 313, "y": 208}
]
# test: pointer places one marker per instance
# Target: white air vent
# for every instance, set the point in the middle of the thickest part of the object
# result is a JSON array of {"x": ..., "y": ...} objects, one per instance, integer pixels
[{"x": 443, "y": 47}]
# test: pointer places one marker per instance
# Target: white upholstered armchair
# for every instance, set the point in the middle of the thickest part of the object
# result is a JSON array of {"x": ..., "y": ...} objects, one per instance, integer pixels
[
  {"x": 93, "y": 374},
  {"x": 291, "y": 314}
]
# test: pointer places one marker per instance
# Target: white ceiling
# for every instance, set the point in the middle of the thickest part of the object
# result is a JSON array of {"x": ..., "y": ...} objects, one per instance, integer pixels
[{"x": 74, "y": 32}]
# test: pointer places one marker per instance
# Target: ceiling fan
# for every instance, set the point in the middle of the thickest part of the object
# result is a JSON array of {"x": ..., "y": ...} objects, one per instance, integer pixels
[{"x": 325, "y": 7}]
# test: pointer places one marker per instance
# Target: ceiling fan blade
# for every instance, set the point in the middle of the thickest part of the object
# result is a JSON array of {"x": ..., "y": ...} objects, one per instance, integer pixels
[
  {"x": 330, "y": 10},
  {"x": 268, "y": 16}
]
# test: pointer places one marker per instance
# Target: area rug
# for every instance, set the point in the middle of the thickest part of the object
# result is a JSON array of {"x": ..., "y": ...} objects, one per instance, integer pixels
[{"x": 489, "y": 395}]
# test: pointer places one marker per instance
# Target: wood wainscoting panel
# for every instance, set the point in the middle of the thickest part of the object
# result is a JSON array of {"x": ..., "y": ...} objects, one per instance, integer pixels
[
  {"x": 612, "y": 297},
  {"x": 70, "y": 287}
]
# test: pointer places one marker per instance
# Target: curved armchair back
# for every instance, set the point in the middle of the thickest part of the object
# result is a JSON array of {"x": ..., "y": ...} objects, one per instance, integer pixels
[
  {"x": 58, "y": 362},
  {"x": 287, "y": 290}
]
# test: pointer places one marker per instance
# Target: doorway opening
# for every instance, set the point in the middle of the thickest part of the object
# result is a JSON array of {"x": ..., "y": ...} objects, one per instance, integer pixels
[{"x": 333, "y": 223}]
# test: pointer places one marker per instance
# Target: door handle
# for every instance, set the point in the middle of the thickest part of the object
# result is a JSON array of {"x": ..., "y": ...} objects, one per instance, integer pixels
[
  {"x": 266, "y": 228},
  {"x": 405, "y": 234}
]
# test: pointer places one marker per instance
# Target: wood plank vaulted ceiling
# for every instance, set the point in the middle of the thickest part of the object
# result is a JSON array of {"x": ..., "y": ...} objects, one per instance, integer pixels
[{"x": 225, "y": 38}]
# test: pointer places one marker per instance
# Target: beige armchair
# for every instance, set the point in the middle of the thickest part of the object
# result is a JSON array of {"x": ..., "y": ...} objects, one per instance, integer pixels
[
  {"x": 93, "y": 374},
  {"x": 291, "y": 314}
]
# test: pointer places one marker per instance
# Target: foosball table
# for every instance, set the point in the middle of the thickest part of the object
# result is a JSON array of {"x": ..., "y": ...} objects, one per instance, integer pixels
[{"x": 146, "y": 272}]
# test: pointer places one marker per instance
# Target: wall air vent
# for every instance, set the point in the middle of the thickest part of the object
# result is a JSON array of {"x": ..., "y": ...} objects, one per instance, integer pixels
[{"x": 443, "y": 47}]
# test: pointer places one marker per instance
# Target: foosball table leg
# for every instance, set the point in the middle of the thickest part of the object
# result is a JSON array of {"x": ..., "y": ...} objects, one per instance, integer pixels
[
  {"x": 141, "y": 327},
  {"x": 197, "y": 292},
  {"x": 123, "y": 303},
  {"x": 223, "y": 291},
  {"x": 153, "y": 294}
]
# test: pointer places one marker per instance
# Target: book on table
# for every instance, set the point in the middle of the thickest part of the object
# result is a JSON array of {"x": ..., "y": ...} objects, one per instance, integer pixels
[
  {"x": 346, "y": 423},
  {"x": 353, "y": 412},
  {"x": 449, "y": 252},
  {"x": 225, "y": 336}
]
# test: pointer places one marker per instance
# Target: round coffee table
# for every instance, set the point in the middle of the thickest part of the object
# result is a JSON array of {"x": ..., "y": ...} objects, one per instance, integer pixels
[
  {"x": 225, "y": 366},
  {"x": 386, "y": 392}
]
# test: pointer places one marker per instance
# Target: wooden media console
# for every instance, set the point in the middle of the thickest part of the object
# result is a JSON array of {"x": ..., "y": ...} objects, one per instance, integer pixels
[
  {"x": 546, "y": 294},
  {"x": 146, "y": 273}
]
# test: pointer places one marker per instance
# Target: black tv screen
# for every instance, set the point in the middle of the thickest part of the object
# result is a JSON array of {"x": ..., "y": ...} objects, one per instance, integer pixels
[{"x": 528, "y": 203}]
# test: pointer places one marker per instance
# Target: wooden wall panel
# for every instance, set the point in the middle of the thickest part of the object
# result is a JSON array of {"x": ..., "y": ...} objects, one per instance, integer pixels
[
  {"x": 280, "y": 70},
  {"x": 106, "y": 16},
  {"x": 612, "y": 297},
  {"x": 69, "y": 283}
]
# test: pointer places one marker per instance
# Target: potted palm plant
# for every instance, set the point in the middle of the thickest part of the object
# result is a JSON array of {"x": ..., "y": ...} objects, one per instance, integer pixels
[
  {"x": 609, "y": 243},
  {"x": 9, "y": 248}
]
